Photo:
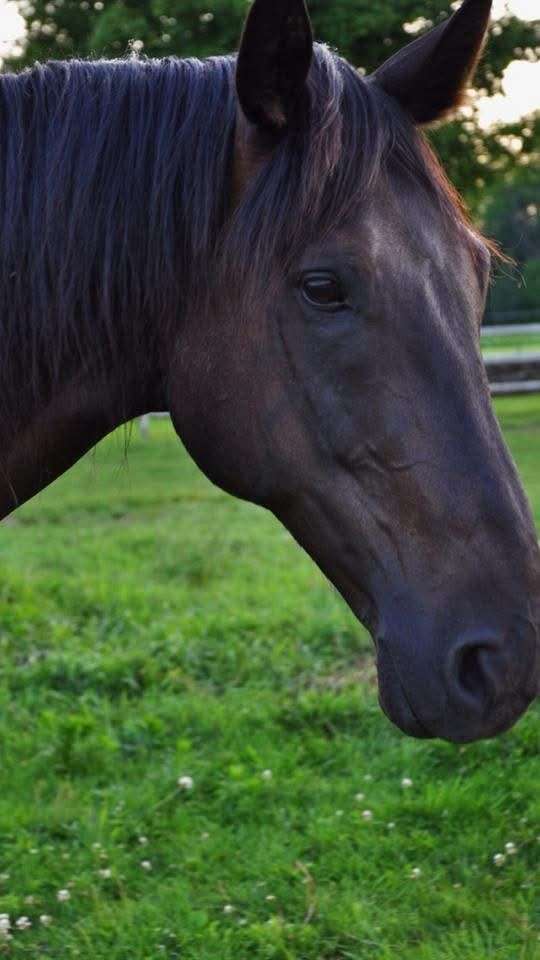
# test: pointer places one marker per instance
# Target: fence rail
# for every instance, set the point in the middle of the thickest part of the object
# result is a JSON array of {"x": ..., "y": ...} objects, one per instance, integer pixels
[
  {"x": 509, "y": 329},
  {"x": 515, "y": 371}
]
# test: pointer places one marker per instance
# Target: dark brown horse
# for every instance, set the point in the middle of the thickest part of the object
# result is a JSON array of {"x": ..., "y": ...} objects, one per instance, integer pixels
[{"x": 265, "y": 247}]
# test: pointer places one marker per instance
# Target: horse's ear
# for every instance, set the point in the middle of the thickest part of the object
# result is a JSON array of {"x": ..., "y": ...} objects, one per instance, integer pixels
[
  {"x": 273, "y": 63},
  {"x": 429, "y": 77}
]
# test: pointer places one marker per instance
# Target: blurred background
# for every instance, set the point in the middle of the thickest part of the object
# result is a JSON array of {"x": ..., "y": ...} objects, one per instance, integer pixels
[{"x": 491, "y": 150}]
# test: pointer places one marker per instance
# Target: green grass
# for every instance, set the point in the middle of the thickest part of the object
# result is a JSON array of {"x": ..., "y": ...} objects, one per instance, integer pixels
[
  {"x": 153, "y": 627},
  {"x": 511, "y": 343}
]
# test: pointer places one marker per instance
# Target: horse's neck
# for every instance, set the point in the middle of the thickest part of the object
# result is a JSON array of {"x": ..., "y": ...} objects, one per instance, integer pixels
[{"x": 48, "y": 440}]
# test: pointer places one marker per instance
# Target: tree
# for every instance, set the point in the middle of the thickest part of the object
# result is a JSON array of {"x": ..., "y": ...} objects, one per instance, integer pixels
[
  {"x": 363, "y": 31},
  {"x": 512, "y": 214}
]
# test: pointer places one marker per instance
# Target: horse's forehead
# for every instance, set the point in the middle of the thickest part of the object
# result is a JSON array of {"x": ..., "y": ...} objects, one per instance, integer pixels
[
  {"x": 407, "y": 229},
  {"x": 376, "y": 235}
]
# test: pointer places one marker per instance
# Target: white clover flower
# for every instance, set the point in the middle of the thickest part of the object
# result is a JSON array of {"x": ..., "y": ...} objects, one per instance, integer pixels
[
  {"x": 45, "y": 920},
  {"x": 5, "y": 924},
  {"x": 406, "y": 783},
  {"x": 228, "y": 909},
  {"x": 185, "y": 783},
  {"x": 499, "y": 859},
  {"x": 143, "y": 841},
  {"x": 510, "y": 848},
  {"x": 96, "y": 846},
  {"x": 23, "y": 923},
  {"x": 105, "y": 873},
  {"x": 270, "y": 897},
  {"x": 391, "y": 825},
  {"x": 63, "y": 895},
  {"x": 4, "y": 877},
  {"x": 146, "y": 864},
  {"x": 266, "y": 775},
  {"x": 415, "y": 873},
  {"x": 368, "y": 778},
  {"x": 367, "y": 815},
  {"x": 359, "y": 797}
]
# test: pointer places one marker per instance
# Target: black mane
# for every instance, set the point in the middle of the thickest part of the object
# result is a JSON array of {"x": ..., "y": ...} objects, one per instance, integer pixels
[{"x": 115, "y": 186}]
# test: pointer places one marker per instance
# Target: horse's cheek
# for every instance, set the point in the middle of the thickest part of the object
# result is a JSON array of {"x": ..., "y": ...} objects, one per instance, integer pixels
[{"x": 219, "y": 430}]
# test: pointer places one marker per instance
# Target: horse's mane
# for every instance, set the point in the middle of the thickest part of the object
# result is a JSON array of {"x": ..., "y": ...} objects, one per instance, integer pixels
[{"x": 114, "y": 189}]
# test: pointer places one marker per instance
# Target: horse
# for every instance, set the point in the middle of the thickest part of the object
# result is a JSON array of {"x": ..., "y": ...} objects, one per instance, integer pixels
[{"x": 265, "y": 246}]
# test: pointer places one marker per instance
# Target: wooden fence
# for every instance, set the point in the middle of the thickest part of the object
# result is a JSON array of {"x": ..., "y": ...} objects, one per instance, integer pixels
[{"x": 513, "y": 372}]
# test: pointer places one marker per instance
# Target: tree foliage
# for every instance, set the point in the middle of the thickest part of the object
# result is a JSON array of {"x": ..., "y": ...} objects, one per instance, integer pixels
[
  {"x": 512, "y": 214},
  {"x": 363, "y": 31}
]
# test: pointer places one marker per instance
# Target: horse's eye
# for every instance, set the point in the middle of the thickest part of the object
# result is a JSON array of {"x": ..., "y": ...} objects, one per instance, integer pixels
[{"x": 323, "y": 290}]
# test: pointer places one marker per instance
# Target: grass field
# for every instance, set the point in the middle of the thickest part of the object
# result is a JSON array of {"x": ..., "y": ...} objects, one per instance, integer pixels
[
  {"x": 152, "y": 628},
  {"x": 528, "y": 342}
]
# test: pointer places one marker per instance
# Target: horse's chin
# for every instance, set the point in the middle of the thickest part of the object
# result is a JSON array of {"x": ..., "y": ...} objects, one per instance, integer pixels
[
  {"x": 396, "y": 705},
  {"x": 397, "y": 708}
]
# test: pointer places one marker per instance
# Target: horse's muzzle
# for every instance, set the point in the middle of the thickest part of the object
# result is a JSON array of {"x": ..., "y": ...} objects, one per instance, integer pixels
[{"x": 479, "y": 689}]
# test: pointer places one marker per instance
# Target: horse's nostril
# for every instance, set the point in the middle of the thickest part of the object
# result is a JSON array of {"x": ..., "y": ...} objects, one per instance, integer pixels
[
  {"x": 470, "y": 676},
  {"x": 484, "y": 682},
  {"x": 475, "y": 672}
]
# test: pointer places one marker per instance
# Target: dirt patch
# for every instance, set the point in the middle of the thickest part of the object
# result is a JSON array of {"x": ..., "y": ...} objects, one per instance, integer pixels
[{"x": 363, "y": 673}]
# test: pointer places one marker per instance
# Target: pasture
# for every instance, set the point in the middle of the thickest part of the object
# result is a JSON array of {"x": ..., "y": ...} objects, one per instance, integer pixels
[
  {"x": 527, "y": 342},
  {"x": 153, "y": 628}
]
